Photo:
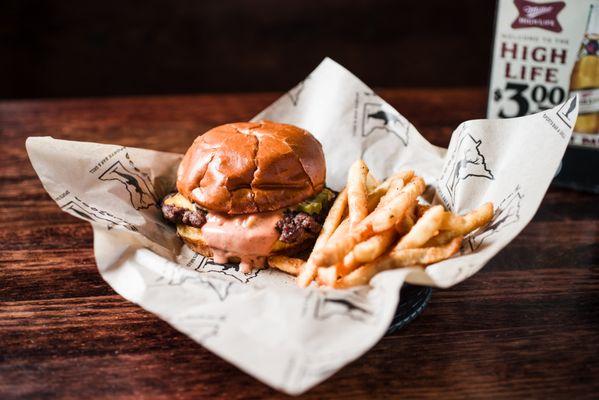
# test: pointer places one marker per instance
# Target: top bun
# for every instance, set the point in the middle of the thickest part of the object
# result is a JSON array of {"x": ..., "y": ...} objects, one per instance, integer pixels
[{"x": 248, "y": 167}]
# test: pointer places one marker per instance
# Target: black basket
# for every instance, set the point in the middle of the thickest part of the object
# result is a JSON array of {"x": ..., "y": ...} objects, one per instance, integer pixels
[{"x": 412, "y": 301}]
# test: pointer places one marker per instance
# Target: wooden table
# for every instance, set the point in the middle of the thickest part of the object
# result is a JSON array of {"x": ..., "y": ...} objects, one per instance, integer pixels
[{"x": 525, "y": 326}]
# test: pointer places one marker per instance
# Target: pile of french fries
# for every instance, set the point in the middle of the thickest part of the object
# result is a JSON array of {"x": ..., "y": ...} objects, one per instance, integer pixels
[{"x": 373, "y": 227}]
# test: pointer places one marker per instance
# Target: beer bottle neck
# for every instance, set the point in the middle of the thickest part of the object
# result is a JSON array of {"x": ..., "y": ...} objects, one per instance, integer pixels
[{"x": 593, "y": 21}]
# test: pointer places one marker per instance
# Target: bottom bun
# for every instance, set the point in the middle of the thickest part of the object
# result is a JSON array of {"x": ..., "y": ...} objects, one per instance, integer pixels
[{"x": 199, "y": 247}]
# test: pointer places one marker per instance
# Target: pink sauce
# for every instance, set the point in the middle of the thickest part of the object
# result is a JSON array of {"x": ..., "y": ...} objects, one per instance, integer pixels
[{"x": 248, "y": 237}]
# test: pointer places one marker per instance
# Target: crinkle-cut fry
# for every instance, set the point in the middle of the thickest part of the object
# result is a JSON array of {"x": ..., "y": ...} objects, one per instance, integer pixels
[
  {"x": 332, "y": 221},
  {"x": 381, "y": 219},
  {"x": 286, "y": 264},
  {"x": 327, "y": 276},
  {"x": 368, "y": 250},
  {"x": 357, "y": 193},
  {"x": 425, "y": 228},
  {"x": 403, "y": 258},
  {"x": 455, "y": 225}
]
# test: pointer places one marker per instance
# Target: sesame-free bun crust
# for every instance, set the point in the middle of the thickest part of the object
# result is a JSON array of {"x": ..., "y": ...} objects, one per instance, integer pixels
[{"x": 248, "y": 167}]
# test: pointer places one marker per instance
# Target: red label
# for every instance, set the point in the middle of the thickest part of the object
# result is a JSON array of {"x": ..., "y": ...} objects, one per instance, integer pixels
[{"x": 538, "y": 15}]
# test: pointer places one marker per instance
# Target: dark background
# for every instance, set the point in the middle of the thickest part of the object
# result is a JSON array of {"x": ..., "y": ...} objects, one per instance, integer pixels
[{"x": 101, "y": 48}]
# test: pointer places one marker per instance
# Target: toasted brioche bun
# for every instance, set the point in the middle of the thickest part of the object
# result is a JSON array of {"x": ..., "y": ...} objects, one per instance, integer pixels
[{"x": 248, "y": 167}]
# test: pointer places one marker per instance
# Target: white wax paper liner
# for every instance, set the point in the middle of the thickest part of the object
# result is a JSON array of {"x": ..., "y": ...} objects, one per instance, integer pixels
[{"x": 291, "y": 338}]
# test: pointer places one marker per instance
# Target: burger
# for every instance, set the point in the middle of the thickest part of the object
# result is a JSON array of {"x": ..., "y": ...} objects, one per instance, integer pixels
[{"x": 248, "y": 190}]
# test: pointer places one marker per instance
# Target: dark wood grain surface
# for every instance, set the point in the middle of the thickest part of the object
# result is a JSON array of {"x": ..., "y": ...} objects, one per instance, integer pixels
[{"x": 526, "y": 326}]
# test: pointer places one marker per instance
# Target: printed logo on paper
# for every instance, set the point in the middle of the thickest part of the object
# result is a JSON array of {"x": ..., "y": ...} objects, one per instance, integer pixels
[
  {"x": 202, "y": 326},
  {"x": 218, "y": 288},
  {"x": 378, "y": 117},
  {"x": 83, "y": 210},
  {"x": 136, "y": 183},
  {"x": 566, "y": 112},
  {"x": 507, "y": 213},
  {"x": 295, "y": 93},
  {"x": 538, "y": 15},
  {"x": 324, "y": 305},
  {"x": 206, "y": 265},
  {"x": 467, "y": 161}
]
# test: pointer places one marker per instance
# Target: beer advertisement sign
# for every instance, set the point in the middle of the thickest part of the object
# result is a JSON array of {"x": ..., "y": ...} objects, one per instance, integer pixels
[{"x": 543, "y": 53}]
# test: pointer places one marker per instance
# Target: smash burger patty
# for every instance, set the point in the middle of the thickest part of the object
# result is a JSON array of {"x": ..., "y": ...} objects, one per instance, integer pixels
[
  {"x": 295, "y": 226},
  {"x": 249, "y": 190}
]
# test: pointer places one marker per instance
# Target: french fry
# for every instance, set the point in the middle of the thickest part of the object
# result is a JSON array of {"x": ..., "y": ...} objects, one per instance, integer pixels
[
  {"x": 341, "y": 230},
  {"x": 374, "y": 196},
  {"x": 332, "y": 221},
  {"x": 396, "y": 185},
  {"x": 425, "y": 228},
  {"x": 327, "y": 276},
  {"x": 359, "y": 276},
  {"x": 375, "y": 226},
  {"x": 404, "y": 225},
  {"x": 385, "y": 217},
  {"x": 470, "y": 221},
  {"x": 368, "y": 250},
  {"x": 403, "y": 258},
  {"x": 357, "y": 192},
  {"x": 421, "y": 209},
  {"x": 286, "y": 264},
  {"x": 425, "y": 255},
  {"x": 387, "y": 213},
  {"x": 371, "y": 182},
  {"x": 455, "y": 225},
  {"x": 405, "y": 176}
]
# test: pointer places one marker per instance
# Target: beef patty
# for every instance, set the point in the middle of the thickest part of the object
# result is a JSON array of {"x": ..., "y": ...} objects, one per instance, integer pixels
[{"x": 294, "y": 227}]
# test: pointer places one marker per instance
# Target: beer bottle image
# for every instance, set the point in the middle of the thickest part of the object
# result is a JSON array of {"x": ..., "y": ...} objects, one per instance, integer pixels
[{"x": 585, "y": 76}]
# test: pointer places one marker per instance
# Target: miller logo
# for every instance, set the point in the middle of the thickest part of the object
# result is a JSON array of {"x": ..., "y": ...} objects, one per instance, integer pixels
[{"x": 538, "y": 15}]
